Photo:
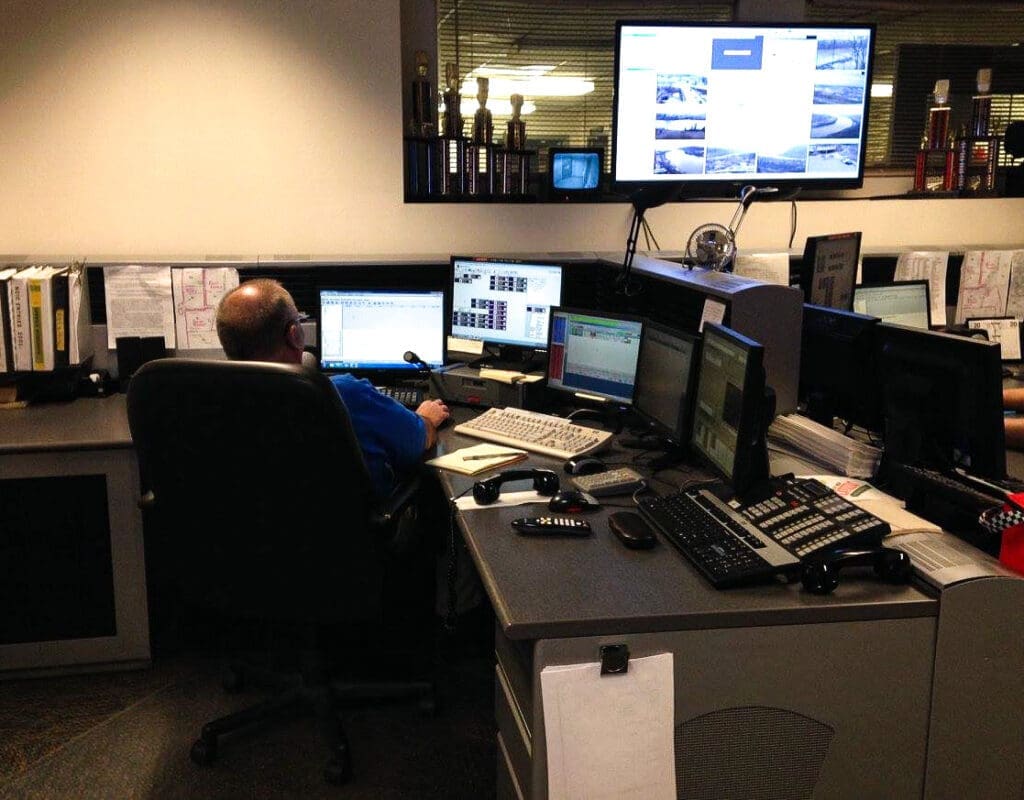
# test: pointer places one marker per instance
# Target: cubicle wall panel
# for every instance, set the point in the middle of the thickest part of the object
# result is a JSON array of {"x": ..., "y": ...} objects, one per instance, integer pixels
[
  {"x": 103, "y": 485},
  {"x": 830, "y": 710}
]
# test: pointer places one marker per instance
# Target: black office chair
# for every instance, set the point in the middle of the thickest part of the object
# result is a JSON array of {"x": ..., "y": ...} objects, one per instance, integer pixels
[{"x": 255, "y": 477}]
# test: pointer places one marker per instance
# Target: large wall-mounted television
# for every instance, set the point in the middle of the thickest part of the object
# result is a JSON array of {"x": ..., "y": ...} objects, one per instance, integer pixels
[{"x": 713, "y": 107}]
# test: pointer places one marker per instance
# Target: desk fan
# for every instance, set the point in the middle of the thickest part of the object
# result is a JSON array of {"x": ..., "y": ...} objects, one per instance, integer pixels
[{"x": 713, "y": 246}]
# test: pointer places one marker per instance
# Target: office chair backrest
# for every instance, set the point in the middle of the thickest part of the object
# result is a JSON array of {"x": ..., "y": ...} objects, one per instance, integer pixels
[{"x": 261, "y": 491}]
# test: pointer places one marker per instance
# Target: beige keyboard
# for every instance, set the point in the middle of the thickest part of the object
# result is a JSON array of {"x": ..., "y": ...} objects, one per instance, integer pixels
[{"x": 539, "y": 433}]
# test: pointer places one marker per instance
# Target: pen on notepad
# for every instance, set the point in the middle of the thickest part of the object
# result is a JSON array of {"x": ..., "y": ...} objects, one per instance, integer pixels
[{"x": 494, "y": 455}]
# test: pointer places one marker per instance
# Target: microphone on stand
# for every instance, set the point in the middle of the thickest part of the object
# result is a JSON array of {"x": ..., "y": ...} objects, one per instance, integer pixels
[
  {"x": 411, "y": 358},
  {"x": 435, "y": 385}
]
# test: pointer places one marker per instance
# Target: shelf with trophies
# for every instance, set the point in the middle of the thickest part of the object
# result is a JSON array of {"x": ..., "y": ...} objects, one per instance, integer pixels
[{"x": 445, "y": 165}]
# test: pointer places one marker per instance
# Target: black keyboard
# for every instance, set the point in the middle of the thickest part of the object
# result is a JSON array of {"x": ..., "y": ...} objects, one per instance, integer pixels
[
  {"x": 736, "y": 545},
  {"x": 408, "y": 397}
]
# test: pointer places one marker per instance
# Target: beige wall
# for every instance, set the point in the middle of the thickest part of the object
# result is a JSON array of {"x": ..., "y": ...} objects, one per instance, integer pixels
[{"x": 265, "y": 127}]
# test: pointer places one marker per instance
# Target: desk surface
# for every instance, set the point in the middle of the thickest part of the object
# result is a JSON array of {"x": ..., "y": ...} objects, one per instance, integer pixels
[
  {"x": 83, "y": 424},
  {"x": 562, "y": 587}
]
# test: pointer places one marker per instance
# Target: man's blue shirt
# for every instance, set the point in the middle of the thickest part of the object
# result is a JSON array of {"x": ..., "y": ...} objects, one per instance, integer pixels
[{"x": 391, "y": 436}]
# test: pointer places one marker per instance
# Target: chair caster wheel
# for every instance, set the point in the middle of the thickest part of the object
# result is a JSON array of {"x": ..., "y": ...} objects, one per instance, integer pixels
[
  {"x": 203, "y": 752},
  {"x": 338, "y": 770}
]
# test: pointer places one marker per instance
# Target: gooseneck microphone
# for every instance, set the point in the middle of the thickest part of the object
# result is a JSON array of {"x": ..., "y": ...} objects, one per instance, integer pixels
[{"x": 411, "y": 358}]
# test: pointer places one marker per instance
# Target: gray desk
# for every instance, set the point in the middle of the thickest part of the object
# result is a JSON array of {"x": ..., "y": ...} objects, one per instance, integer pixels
[
  {"x": 80, "y": 449},
  {"x": 774, "y": 689}
]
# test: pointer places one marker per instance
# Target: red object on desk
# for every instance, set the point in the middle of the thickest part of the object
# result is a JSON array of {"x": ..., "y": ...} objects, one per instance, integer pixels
[{"x": 1008, "y": 522}]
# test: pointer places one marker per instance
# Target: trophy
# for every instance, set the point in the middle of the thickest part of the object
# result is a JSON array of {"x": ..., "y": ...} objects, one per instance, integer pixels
[
  {"x": 515, "y": 132},
  {"x": 452, "y": 101},
  {"x": 483, "y": 127},
  {"x": 422, "y": 122}
]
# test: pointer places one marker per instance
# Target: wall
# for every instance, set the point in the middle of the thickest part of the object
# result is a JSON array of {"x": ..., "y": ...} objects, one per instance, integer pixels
[{"x": 169, "y": 128}]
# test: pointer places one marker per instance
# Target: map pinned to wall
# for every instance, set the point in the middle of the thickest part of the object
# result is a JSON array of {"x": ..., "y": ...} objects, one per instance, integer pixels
[
  {"x": 1015, "y": 294},
  {"x": 197, "y": 291},
  {"x": 984, "y": 284}
]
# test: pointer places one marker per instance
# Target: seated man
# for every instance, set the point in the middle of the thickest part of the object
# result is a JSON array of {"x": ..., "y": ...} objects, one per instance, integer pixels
[{"x": 258, "y": 321}]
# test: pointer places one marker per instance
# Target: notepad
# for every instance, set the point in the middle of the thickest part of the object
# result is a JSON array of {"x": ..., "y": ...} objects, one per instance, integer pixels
[{"x": 478, "y": 458}]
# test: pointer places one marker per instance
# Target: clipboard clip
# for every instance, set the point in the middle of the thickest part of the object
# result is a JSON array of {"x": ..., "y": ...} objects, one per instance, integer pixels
[{"x": 614, "y": 659}]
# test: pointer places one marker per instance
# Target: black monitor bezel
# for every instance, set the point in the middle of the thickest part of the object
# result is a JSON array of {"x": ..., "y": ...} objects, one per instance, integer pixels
[
  {"x": 750, "y": 459},
  {"x": 809, "y": 270},
  {"x": 679, "y": 435},
  {"x": 732, "y": 188},
  {"x": 893, "y": 285},
  {"x": 902, "y": 350},
  {"x": 396, "y": 371},
  {"x": 596, "y": 396},
  {"x": 559, "y": 193},
  {"x": 524, "y": 352}
]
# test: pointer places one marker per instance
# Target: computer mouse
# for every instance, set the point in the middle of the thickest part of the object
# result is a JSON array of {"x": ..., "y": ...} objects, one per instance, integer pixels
[
  {"x": 585, "y": 465},
  {"x": 632, "y": 530},
  {"x": 573, "y": 501}
]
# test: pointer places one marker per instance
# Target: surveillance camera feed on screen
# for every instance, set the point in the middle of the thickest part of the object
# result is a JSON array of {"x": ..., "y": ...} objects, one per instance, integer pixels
[
  {"x": 575, "y": 171},
  {"x": 369, "y": 330},
  {"x": 504, "y": 303},
  {"x": 594, "y": 356},
  {"x": 762, "y": 104}
]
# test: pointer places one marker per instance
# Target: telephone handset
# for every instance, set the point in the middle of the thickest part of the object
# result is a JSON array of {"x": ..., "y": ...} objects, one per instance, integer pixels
[{"x": 545, "y": 482}]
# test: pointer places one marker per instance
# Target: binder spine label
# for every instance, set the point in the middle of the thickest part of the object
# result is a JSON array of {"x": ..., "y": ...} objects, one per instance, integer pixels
[{"x": 35, "y": 304}]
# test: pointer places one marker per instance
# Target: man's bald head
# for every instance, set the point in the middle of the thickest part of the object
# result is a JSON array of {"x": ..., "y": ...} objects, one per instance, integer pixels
[{"x": 258, "y": 321}]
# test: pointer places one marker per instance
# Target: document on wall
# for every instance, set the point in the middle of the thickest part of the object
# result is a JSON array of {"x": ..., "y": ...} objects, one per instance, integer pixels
[
  {"x": 984, "y": 283},
  {"x": 764, "y": 267},
  {"x": 197, "y": 291},
  {"x": 139, "y": 303},
  {"x": 714, "y": 311},
  {"x": 610, "y": 736},
  {"x": 926, "y": 265},
  {"x": 1015, "y": 294}
]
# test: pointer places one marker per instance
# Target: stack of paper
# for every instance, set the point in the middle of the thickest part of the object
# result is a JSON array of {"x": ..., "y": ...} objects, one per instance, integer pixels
[
  {"x": 825, "y": 445},
  {"x": 479, "y": 458}
]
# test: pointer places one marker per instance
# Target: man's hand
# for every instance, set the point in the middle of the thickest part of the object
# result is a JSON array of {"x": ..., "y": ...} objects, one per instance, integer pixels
[{"x": 434, "y": 413}]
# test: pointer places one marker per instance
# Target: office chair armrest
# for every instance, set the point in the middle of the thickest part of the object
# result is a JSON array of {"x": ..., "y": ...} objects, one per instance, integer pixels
[{"x": 391, "y": 508}]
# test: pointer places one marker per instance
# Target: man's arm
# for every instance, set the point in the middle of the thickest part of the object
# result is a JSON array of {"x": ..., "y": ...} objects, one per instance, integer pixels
[{"x": 433, "y": 413}]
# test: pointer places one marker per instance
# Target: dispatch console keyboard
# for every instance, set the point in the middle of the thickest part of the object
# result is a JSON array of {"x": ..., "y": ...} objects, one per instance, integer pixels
[
  {"x": 408, "y": 397},
  {"x": 733, "y": 544},
  {"x": 539, "y": 433}
]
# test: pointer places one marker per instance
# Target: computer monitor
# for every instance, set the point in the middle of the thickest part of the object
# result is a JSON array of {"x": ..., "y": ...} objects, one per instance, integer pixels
[
  {"x": 829, "y": 269},
  {"x": 665, "y": 382},
  {"x": 731, "y": 413},
  {"x": 943, "y": 400},
  {"x": 574, "y": 173},
  {"x": 504, "y": 303},
  {"x": 714, "y": 107},
  {"x": 900, "y": 302},
  {"x": 593, "y": 355},
  {"x": 837, "y": 368},
  {"x": 368, "y": 331}
]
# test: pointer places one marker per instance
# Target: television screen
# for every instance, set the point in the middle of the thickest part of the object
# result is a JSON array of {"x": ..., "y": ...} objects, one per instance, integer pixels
[
  {"x": 718, "y": 106},
  {"x": 574, "y": 172}
]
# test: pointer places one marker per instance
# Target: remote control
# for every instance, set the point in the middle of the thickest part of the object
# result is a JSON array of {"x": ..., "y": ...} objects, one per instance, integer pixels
[{"x": 543, "y": 526}]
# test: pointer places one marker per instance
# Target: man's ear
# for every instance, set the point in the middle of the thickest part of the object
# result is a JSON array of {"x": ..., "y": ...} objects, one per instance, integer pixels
[{"x": 295, "y": 336}]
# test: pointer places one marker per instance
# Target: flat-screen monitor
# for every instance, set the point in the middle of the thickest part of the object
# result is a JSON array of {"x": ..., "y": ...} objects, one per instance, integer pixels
[
  {"x": 943, "y": 400},
  {"x": 720, "y": 106},
  {"x": 829, "y": 269},
  {"x": 729, "y": 418},
  {"x": 900, "y": 302},
  {"x": 368, "y": 331},
  {"x": 665, "y": 382},
  {"x": 594, "y": 354},
  {"x": 574, "y": 172},
  {"x": 837, "y": 368},
  {"x": 505, "y": 303}
]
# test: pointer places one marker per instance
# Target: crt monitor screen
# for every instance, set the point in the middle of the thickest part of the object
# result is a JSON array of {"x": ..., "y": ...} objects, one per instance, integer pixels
[
  {"x": 900, "y": 302},
  {"x": 504, "y": 302},
  {"x": 369, "y": 330},
  {"x": 733, "y": 104},
  {"x": 943, "y": 400},
  {"x": 594, "y": 354},
  {"x": 729, "y": 414},
  {"x": 575, "y": 171},
  {"x": 665, "y": 380}
]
